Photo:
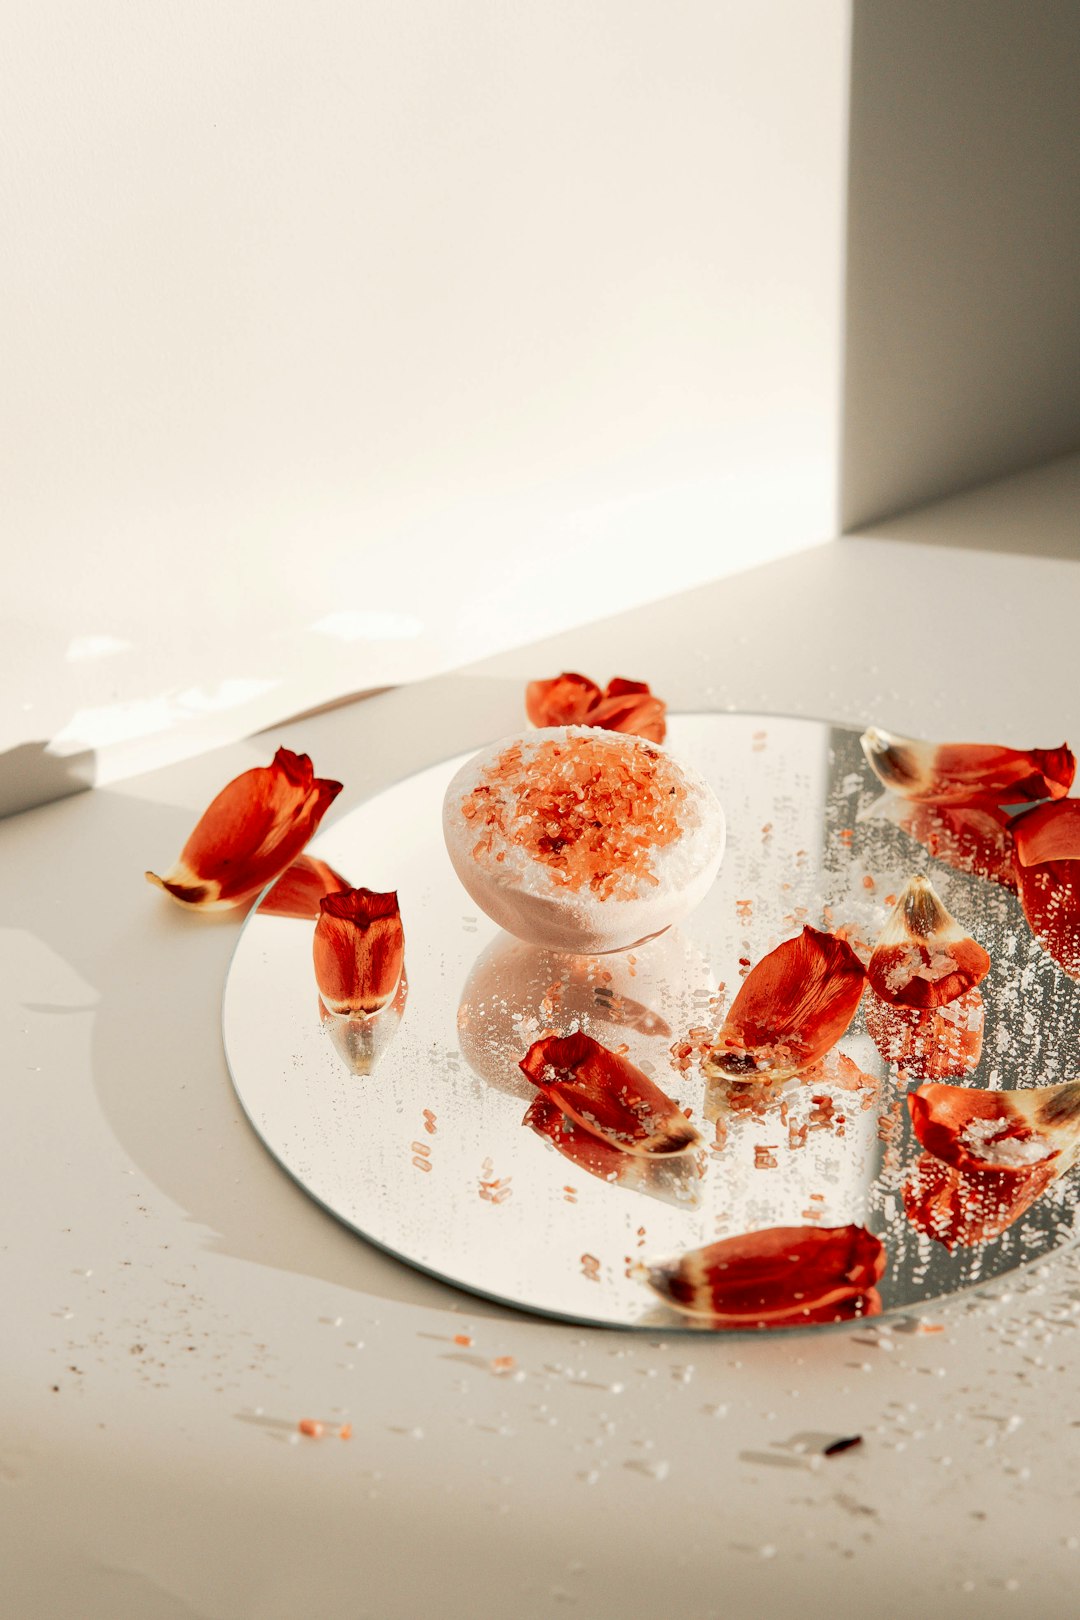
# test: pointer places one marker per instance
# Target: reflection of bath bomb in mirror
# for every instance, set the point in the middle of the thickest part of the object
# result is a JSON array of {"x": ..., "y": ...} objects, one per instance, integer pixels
[{"x": 582, "y": 840}]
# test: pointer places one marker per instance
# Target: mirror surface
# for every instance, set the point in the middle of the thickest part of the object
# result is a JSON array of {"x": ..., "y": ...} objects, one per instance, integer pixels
[{"x": 427, "y": 1154}]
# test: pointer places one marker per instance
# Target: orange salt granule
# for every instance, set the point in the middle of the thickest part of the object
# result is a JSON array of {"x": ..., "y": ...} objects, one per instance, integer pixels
[
  {"x": 592, "y": 816},
  {"x": 312, "y": 1427},
  {"x": 463, "y": 1338}
]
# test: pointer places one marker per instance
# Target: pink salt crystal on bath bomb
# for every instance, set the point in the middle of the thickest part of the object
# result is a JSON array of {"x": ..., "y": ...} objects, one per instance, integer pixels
[{"x": 582, "y": 840}]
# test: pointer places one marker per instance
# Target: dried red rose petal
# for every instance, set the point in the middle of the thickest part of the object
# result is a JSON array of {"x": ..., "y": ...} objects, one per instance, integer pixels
[
  {"x": 299, "y": 890},
  {"x": 970, "y": 838},
  {"x": 923, "y": 958},
  {"x": 359, "y": 950},
  {"x": 574, "y": 700},
  {"x": 562, "y": 701},
  {"x": 780, "y": 1277},
  {"x": 967, "y": 773},
  {"x": 670, "y": 1178},
  {"x": 603, "y": 1092},
  {"x": 1050, "y": 832},
  {"x": 944, "y": 1043},
  {"x": 252, "y": 831},
  {"x": 1004, "y": 1131},
  {"x": 961, "y": 1208},
  {"x": 792, "y": 1008}
]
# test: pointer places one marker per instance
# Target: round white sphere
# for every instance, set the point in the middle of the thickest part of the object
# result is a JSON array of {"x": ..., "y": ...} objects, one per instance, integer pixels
[{"x": 582, "y": 840}]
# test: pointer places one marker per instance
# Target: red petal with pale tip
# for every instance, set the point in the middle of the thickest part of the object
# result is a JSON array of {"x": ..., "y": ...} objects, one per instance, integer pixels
[
  {"x": 782, "y": 1276},
  {"x": 253, "y": 830},
  {"x": 1050, "y": 896},
  {"x": 359, "y": 950},
  {"x": 1006, "y": 1132},
  {"x": 574, "y": 700},
  {"x": 923, "y": 958},
  {"x": 942, "y": 1044},
  {"x": 792, "y": 1008},
  {"x": 959, "y": 1208},
  {"x": 1051, "y": 832},
  {"x": 967, "y": 773},
  {"x": 607, "y": 1095},
  {"x": 298, "y": 891}
]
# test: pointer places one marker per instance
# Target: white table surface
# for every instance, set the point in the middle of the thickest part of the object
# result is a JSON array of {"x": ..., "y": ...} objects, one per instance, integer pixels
[{"x": 173, "y": 1304}]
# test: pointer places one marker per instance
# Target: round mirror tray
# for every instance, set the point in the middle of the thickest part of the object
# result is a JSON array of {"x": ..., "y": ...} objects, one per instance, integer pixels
[{"x": 429, "y": 1154}]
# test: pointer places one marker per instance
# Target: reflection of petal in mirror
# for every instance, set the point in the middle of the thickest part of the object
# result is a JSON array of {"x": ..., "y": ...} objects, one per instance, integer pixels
[
  {"x": 784, "y": 1276},
  {"x": 516, "y": 992},
  {"x": 923, "y": 958},
  {"x": 1048, "y": 878},
  {"x": 360, "y": 1039},
  {"x": 856, "y": 1309},
  {"x": 960, "y": 1209},
  {"x": 1050, "y": 896},
  {"x": 1003, "y": 1131},
  {"x": 792, "y": 1008},
  {"x": 942, "y": 1043},
  {"x": 972, "y": 839},
  {"x": 834, "y": 1073},
  {"x": 299, "y": 890},
  {"x": 672, "y": 1180},
  {"x": 605, "y": 1093}
]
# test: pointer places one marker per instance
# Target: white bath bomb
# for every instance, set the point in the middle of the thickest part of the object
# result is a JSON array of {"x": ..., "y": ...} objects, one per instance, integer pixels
[{"x": 582, "y": 840}]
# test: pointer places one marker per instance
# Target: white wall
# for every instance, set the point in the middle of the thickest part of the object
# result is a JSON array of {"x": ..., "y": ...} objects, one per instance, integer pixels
[
  {"x": 470, "y": 321},
  {"x": 963, "y": 294}
]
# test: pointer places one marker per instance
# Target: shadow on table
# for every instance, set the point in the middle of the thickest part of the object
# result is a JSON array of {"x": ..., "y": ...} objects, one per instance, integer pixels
[
  {"x": 30, "y": 775},
  {"x": 159, "y": 1070}
]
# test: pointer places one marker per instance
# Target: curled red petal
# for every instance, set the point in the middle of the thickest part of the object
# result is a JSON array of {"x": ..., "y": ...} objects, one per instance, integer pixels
[
  {"x": 630, "y": 706},
  {"x": 1050, "y": 832},
  {"x": 781, "y": 1276},
  {"x": 976, "y": 839},
  {"x": 967, "y": 773},
  {"x": 923, "y": 958},
  {"x": 574, "y": 700},
  {"x": 563, "y": 701},
  {"x": 252, "y": 831},
  {"x": 943, "y": 1043},
  {"x": 301, "y": 887},
  {"x": 959, "y": 1208},
  {"x": 359, "y": 950},
  {"x": 1050, "y": 896},
  {"x": 604, "y": 1093},
  {"x": 792, "y": 1008},
  {"x": 1002, "y": 1131}
]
